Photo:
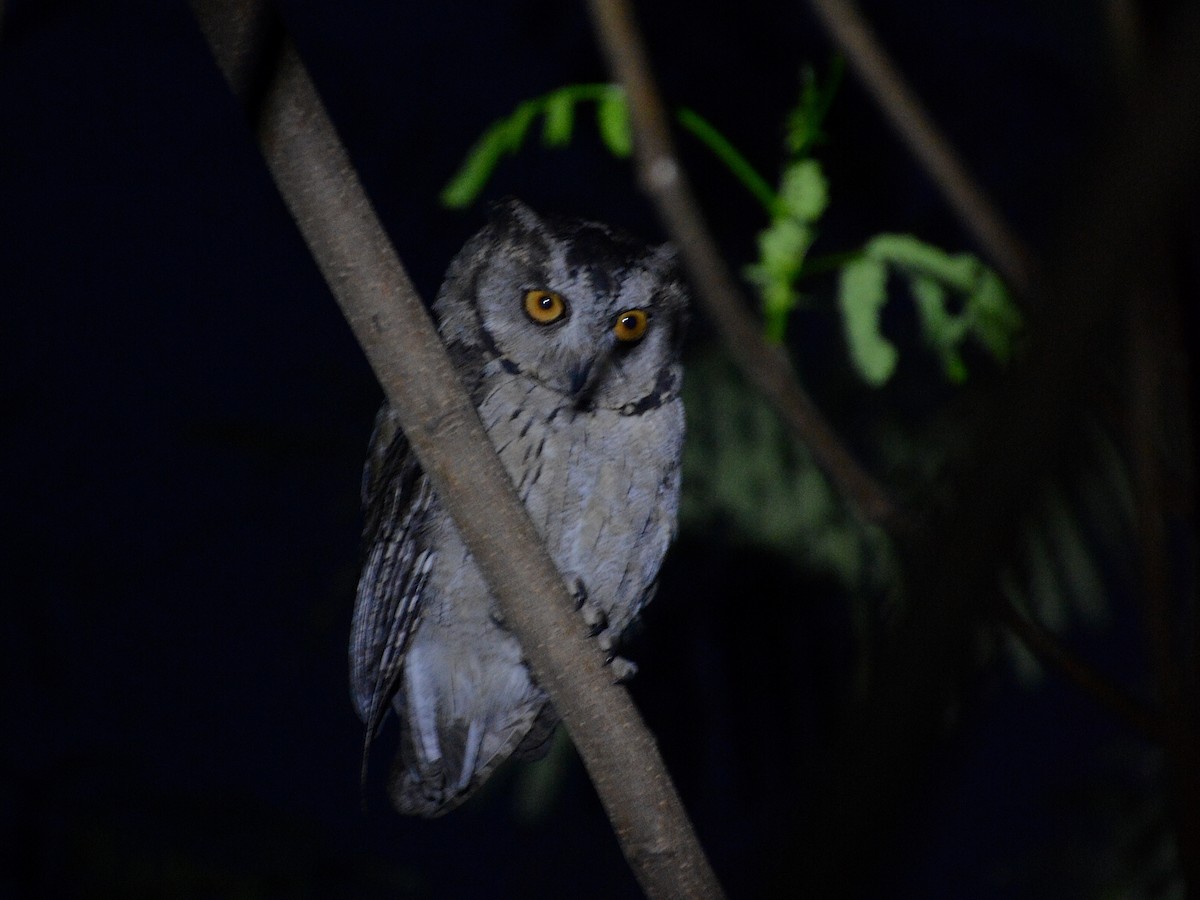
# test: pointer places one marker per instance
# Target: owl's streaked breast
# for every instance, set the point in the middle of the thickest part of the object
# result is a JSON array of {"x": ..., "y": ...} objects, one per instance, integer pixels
[{"x": 602, "y": 487}]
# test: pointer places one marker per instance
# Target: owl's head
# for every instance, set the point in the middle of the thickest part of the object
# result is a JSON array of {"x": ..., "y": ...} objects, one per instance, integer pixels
[{"x": 576, "y": 306}]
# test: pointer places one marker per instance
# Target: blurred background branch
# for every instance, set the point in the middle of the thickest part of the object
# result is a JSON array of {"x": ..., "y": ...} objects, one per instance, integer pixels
[{"x": 900, "y": 104}]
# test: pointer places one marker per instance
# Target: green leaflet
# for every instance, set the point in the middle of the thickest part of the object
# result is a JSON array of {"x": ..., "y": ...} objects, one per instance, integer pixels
[
  {"x": 477, "y": 168},
  {"x": 559, "y": 111},
  {"x": 505, "y": 136},
  {"x": 941, "y": 331},
  {"x": 862, "y": 293},
  {"x": 612, "y": 117},
  {"x": 804, "y": 190}
]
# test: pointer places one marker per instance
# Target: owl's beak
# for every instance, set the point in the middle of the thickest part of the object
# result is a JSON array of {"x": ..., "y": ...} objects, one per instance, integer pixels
[
  {"x": 584, "y": 377},
  {"x": 579, "y": 376},
  {"x": 587, "y": 374}
]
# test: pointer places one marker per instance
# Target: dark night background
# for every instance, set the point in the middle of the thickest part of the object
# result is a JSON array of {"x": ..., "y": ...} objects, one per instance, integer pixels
[{"x": 185, "y": 416}]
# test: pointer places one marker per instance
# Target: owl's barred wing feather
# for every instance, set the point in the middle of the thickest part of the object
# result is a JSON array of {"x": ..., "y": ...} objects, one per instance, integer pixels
[{"x": 397, "y": 498}]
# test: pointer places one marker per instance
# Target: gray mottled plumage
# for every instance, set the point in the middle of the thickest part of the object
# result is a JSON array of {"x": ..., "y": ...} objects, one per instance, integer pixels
[{"x": 589, "y": 426}]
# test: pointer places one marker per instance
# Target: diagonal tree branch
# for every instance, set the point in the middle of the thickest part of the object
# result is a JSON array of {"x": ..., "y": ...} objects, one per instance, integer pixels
[
  {"x": 314, "y": 175},
  {"x": 904, "y": 110},
  {"x": 765, "y": 365}
]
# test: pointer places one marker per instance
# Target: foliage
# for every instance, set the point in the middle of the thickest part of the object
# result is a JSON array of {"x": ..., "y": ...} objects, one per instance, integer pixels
[
  {"x": 557, "y": 109},
  {"x": 742, "y": 471},
  {"x": 938, "y": 283},
  {"x": 957, "y": 297}
]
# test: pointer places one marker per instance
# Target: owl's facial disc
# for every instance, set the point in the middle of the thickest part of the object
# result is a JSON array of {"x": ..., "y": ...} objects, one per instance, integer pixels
[{"x": 577, "y": 308}]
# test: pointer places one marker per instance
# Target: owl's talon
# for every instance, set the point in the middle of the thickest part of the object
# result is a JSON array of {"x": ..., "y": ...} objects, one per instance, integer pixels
[
  {"x": 623, "y": 669},
  {"x": 607, "y": 641},
  {"x": 578, "y": 591},
  {"x": 594, "y": 617}
]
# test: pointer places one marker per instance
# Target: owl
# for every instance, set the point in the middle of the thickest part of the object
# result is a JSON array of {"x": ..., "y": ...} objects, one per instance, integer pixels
[{"x": 567, "y": 335}]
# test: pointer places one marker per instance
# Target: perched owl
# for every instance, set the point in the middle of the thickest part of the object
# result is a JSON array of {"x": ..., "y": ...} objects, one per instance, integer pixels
[{"x": 567, "y": 335}]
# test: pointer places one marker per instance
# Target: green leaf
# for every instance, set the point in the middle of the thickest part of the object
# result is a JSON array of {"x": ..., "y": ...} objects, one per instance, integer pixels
[
  {"x": 612, "y": 118},
  {"x": 559, "y": 121},
  {"x": 781, "y": 247},
  {"x": 941, "y": 330},
  {"x": 468, "y": 182},
  {"x": 804, "y": 123},
  {"x": 995, "y": 319},
  {"x": 779, "y": 299},
  {"x": 862, "y": 293},
  {"x": 804, "y": 190},
  {"x": 518, "y": 123},
  {"x": 907, "y": 252}
]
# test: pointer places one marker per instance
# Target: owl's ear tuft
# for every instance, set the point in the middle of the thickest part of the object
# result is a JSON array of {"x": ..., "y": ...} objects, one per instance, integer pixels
[
  {"x": 512, "y": 213},
  {"x": 665, "y": 257}
]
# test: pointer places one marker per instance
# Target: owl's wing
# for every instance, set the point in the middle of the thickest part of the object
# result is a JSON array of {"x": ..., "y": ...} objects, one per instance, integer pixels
[{"x": 397, "y": 498}]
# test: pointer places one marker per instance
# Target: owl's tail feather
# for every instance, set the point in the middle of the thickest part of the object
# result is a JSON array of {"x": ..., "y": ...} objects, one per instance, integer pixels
[{"x": 435, "y": 772}]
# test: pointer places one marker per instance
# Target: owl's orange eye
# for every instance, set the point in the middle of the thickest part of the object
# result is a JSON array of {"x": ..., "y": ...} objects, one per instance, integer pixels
[
  {"x": 631, "y": 325},
  {"x": 544, "y": 307}
]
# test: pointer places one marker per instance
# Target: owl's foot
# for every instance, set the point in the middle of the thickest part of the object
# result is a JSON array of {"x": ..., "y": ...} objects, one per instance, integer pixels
[{"x": 597, "y": 621}]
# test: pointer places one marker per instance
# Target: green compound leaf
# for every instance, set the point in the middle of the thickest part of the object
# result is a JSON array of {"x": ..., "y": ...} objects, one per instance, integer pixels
[
  {"x": 612, "y": 118},
  {"x": 862, "y": 292},
  {"x": 804, "y": 190},
  {"x": 559, "y": 121},
  {"x": 933, "y": 275}
]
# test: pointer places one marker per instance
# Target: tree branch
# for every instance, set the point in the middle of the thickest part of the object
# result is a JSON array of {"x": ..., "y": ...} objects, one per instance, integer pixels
[
  {"x": 322, "y": 191},
  {"x": 764, "y": 365},
  {"x": 903, "y": 109}
]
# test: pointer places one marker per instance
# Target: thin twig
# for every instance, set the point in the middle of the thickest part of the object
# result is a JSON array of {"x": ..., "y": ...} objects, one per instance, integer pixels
[
  {"x": 764, "y": 365},
  {"x": 931, "y": 148},
  {"x": 323, "y": 193},
  {"x": 1049, "y": 651}
]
